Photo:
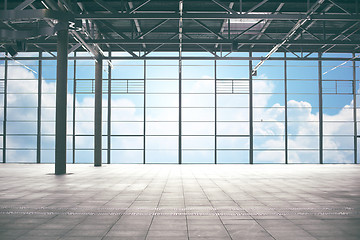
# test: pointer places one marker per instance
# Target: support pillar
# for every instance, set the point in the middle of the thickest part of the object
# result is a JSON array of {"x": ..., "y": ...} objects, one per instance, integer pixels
[
  {"x": 321, "y": 146},
  {"x": 286, "y": 111},
  {"x": 215, "y": 104},
  {"x": 180, "y": 108},
  {"x": 251, "y": 120},
  {"x": 73, "y": 112},
  {"x": 355, "y": 113},
  {"x": 61, "y": 94},
  {"x": 98, "y": 112},
  {"x": 109, "y": 114},
  {"x": 144, "y": 126},
  {"x": 38, "y": 135},
  {"x": 5, "y": 110}
]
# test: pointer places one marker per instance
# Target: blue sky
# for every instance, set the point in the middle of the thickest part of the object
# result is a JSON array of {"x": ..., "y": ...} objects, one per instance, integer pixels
[{"x": 198, "y": 113}]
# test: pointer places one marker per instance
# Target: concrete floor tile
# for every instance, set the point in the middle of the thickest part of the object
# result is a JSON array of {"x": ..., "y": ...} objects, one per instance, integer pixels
[{"x": 262, "y": 202}]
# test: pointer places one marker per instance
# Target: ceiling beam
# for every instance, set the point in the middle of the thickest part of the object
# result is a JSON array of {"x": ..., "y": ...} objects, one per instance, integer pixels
[
  {"x": 52, "y": 5},
  {"x": 209, "y": 29},
  {"x": 136, "y": 22},
  {"x": 225, "y": 21},
  {"x": 26, "y": 34},
  {"x": 192, "y": 58},
  {"x": 12, "y": 15},
  {"x": 229, "y": 9},
  {"x": 115, "y": 30},
  {"x": 213, "y": 16},
  {"x": 285, "y": 48},
  {"x": 337, "y": 5},
  {"x": 106, "y": 6},
  {"x": 73, "y": 48},
  {"x": 200, "y": 41},
  {"x": 266, "y": 24},
  {"x": 256, "y": 6},
  {"x": 34, "y": 14},
  {"x": 344, "y": 31},
  {"x": 120, "y": 46},
  {"x": 243, "y": 32},
  {"x": 134, "y": 9},
  {"x": 345, "y": 36},
  {"x": 45, "y": 50},
  {"x": 151, "y": 29},
  {"x": 82, "y": 41},
  {"x": 325, "y": 10},
  {"x": 94, "y": 49},
  {"x": 289, "y": 35},
  {"x": 201, "y": 46},
  {"x": 160, "y": 45},
  {"x": 305, "y": 30},
  {"x": 24, "y": 5},
  {"x": 109, "y": 8},
  {"x": 112, "y": 28}
]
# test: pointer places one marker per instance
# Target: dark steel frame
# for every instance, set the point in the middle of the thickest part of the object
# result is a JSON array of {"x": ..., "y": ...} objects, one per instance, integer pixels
[
  {"x": 5, "y": 110},
  {"x": 286, "y": 111},
  {"x": 321, "y": 131},
  {"x": 38, "y": 137},
  {"x": 320, "y": 59}
]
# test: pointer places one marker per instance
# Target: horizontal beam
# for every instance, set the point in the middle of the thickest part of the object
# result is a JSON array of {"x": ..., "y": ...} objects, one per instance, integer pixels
[
  {"x": 12, "y": 15},
  {"x": 217, "y": 16},
  {"x": 203, "y": 41},
  {"x": 200, "y": 30},
  {"x": 21, "y": 35},
  {"x": 40, "y": 14},
  {"x": 191, "y": 58}
]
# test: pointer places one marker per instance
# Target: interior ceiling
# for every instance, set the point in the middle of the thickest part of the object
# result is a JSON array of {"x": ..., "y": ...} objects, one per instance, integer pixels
[{"x": 161, "y": 25}]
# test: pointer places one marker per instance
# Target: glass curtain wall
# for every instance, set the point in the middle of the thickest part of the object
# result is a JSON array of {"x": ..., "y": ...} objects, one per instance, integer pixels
[
  {"x": 198, "y": 111},
  {"x": 21, "y": 106},
  {"x": 269, "y": 112},
  {"x": 232, "y": 111},
  {"x": 162, "y": 111},
  {"x": 298, "y": 107},
  {"x": 303, "y": 111},
  {"x": 127, "y": 111},
  {"x": 338, "y": 110}
]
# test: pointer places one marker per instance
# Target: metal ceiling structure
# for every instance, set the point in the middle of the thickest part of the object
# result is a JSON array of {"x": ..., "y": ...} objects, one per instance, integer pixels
[{"x": 140, "y": 27}]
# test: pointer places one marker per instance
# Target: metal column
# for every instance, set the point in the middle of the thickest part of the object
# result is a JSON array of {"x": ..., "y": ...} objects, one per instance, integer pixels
[
  {"x": 38, "y": 135},
  {"x": 109, "y": 114},
  {"x": 320, "y": 112},
  {"x": 73, "y": 111},
  {"x": 354, "y": 106},
  {"x": 98, "y": 112},
  {"x": 144, "y": 126},
  {"x": 251, "y": 153},
  {"x": 215, "y": 80},
  {"x": 286, "y": 111},
  {"x": 180, "y": 77},
  {"x": 61, "y": 93},
  {"x": 5, "y": 109}
]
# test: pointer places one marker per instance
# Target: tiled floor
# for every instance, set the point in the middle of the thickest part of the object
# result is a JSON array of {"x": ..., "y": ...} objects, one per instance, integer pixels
[{"x": 174, "y": 202}]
